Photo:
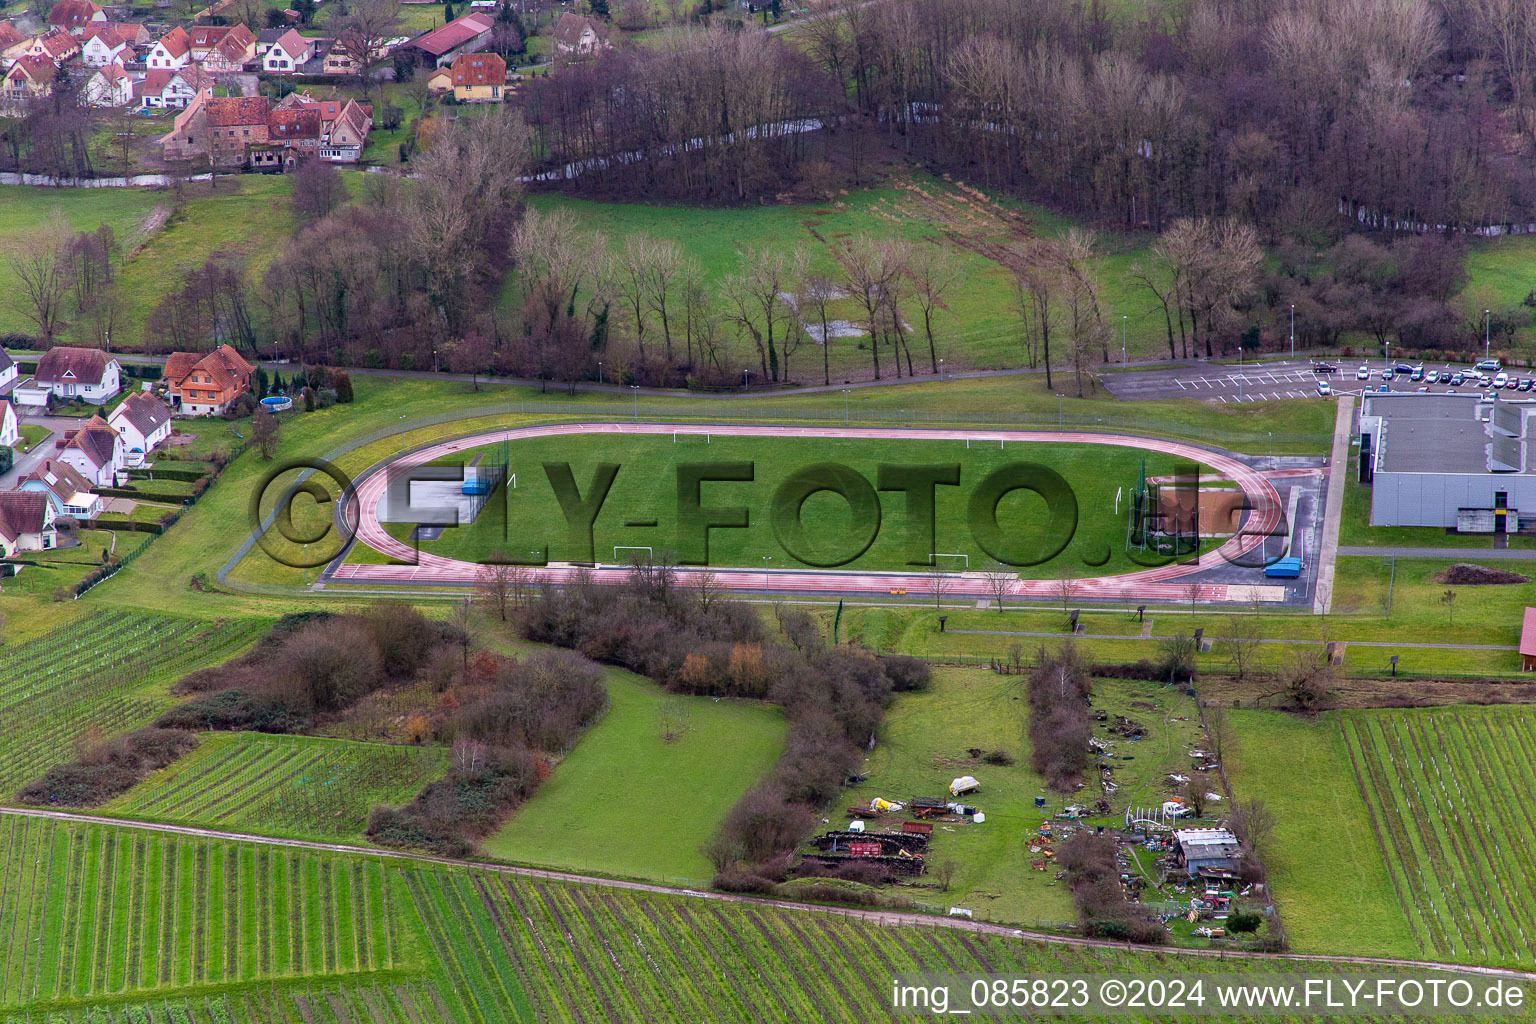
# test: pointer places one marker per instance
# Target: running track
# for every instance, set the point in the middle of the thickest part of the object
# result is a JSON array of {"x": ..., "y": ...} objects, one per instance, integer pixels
[{"x": 1148, "y": 584}]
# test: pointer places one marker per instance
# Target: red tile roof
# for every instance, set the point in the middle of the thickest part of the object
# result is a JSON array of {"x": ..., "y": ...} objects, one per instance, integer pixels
[
  {"x": 293, "y": 124},
  {"x": 227, "y": 367},
  {"x": 176, "y": 41},
  {"x": 452, "y": 35},
  {"x": 10, "y": 35},
  {"x": 32, "y": 67},
  {"x": 230, "y": 111},
  {"x": 96, "y": 439},
  {"x": 292, "y": 43},
  {"x": 61, "y": 478},
  {"x": 72, "y": 13},
  {"x": 472, "y": 69},
  {"x": 58, "y": 44},
  {"x": 147, "y": 413}
]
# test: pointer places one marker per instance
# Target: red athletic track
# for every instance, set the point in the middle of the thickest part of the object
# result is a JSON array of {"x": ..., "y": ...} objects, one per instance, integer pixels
[{"x": 1147, "y": 584}]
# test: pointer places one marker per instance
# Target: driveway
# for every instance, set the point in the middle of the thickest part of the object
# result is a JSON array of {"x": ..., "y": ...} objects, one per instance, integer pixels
[{"x": 25, "y": 463}]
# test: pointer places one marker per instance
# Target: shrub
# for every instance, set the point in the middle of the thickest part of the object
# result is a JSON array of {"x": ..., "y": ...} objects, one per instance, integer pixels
[
  {"x": 1244, "y": 922},
  {"x": 467, "y": 804},
  {"x": 105, "y": 769},
  {"x": 907, "y": 674}
]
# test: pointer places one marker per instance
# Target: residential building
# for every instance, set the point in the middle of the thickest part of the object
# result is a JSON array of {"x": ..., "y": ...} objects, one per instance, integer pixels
[
  {"x": 230, "y": 54},
  {"x": 297, "y": 132},
  {"x": 26, "y": 523},
  {"x": 479, "y": 78},
  {"x": 171, "y": 51},
  {"x": 171, "y": 89},
  {"x": 8, "y": 372},
  {"x": 88, "y": 374},
  {"x": 102, "y": 44},
  {"x": 226, "y": 126},
  {"x": 578, "y": 36},
  {"x": 110, "y": 86},
  {"x": 12, "y": 43},
  {"x": 67, "y": 491},
  {"x": 203, "y": 384},
  {"x": 30, "y": 77},
  {"x": 75, "y": 15},
  {"x": 440, "y": 81},
  {"x": 96, "y": 452},
  {"x": 55, "y": 45},
  {"x": 287, "y": 53},
  {"x": 344, "y": 125},
  {"x": 142, "y": 421},
  {"x": 266, "y": 37},
  {"x": 29, "y": 394},
  {"x": 468, "y": 34},
  {"x": 10, "y": 425}
]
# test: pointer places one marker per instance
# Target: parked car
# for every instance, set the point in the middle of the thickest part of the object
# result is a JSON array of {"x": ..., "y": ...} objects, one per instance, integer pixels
[
  {"x": 1500, "y": 380},
  {"x": 1491, "y": 365},
  {"x": 1457, "y": 379},
  {"x": 1404, "y": 368},
  {"x": 1386, "y": 374},
  {"x": 1525, "y": 383},
  {"x": 1323, "y": 388},
  {"x": 1511, "y": 384},
  {"x": 1433, "y": 376},
  {"x": 1364, "y": 373},
  {"x": 1423, "y": 391},
  {"x": 1383, "y": 389},
  {"x": 1417, "y": 373}
]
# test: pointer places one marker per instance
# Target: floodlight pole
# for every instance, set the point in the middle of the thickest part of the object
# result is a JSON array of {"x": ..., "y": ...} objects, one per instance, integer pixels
[
  {"x": 636, "y": 389},
  {"x": 1058, "y": 412},
  {"x": 1293, "y": 330},
  {"x": 846, "y": 392},
  {"x": 1487, "y": 332},
  {"x": 1123, "y": 319}
]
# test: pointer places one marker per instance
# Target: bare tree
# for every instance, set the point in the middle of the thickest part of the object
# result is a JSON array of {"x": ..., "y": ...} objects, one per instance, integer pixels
[
  {"x": 933, "y": 273},
  {"x": 363, "y": 31},
  {"x": 493, "y": 585},
  {"x": 1241, "y": 644},
  {"x": 1449, "y": 600},
  {"x": 938, "y": 580},
  {"x": 40, "y": 262},
  {"x": 1218, "y": 730},
  {"x": 667, "y": 264},
  {"x": 869, "y": 268},
  {"x": 1000, "y": 580},
  {"x": 1193, "y": 792},
  {"x": 816, "y": 298}
]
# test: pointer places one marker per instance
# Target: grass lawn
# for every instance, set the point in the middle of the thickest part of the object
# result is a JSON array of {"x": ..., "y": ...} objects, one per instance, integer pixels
[
  {"x": 925, "y": 743},
  {"x": 646, "y": 489},
  {"x": 31, "y": 434},
  {"x": 626, "y": 802},
  {"x": 1326, "y": 868},
  {"x": 1356, "y": 528}
]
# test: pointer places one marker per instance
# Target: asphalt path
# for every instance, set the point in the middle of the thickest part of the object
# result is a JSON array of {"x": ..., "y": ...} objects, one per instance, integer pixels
[
  {"x": 1458, "y": 554},
  {"x": 883, "y": 918}
]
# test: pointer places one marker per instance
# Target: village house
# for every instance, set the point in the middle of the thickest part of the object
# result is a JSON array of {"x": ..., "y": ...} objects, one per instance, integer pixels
[
  {"x": 468, "y": 34},
  {"x": 1206, "y": 853},
  {"x": 55, "y": 45},
  {"x": 171, "y": 90},
  {"x": 266, "y": 37},
  {"x": 226, "y": 126},
  {"x": 26, "y": 523},
  {"x": 142, "y": 421},
  {"x": 12, "y": 43},
  {"x": 577, "y": 36},
  {"x": 8, "y": 372},
  {"x": 103, "y": 44},
  {"x": 87, "y": 374},
  {"x": 110, "y": 86},
  {"x": 295, "y": 132},
  {"x": 10, "y": 425},
  {"x": 230, "y": 54},
  {"x": 479, "y": 78},
  {"x": 344, "y": 125},
  {"x": 203, "y": 384},
  {"x": 67, "y": 491},
  {"x": 171, "y": 51},
  {"x": 287, "y": 53},
  {"x": 75, "y": 15},
  {"x": 29, "y": 77},
  {"x": 96, "y": 452},
  {"x": 440, "y": 81}
]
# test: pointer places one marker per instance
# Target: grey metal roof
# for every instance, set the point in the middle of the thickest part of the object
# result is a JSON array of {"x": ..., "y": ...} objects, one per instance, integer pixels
[{"x": 1460, "y": 434}]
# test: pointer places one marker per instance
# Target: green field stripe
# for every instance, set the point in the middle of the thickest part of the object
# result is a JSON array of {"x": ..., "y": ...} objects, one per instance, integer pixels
[
  {"x": 188, "y": 936},
  {"x": 281, "y": 915},
  {"x": 378, "y": 924},
  {"x": 34, "y": 955},
  {"x": 89, "y": 902},
  {"x": 472, "y": 957},
  {"x": 462, "y": 898},
  {"x": 128, "y": 903},
  {"x": 356, "y": 909},
  {"x": 632, "y": 943},
  {"x": 52, "y": 947},
  {"x": 720, "y": 966},
  {"x": 562, "y": 986},
  {"x": 331, "y": 886},
  {"x": 447, "y": 961},
  {"x": 149, "y": 923},
  {"x": 516, "y": 953}
]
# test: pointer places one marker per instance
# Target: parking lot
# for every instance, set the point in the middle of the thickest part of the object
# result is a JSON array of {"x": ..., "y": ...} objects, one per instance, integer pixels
[{"x": 1276, "y": 381}]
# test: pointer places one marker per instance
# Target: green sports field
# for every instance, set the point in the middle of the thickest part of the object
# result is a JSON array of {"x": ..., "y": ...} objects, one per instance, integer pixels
[{"x": 645, "y": 490}]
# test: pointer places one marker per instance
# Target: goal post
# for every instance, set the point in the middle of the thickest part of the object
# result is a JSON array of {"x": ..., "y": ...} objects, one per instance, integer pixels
[
  {"x": 934, "y": 556},
  {"x": 633, "y": 547}
]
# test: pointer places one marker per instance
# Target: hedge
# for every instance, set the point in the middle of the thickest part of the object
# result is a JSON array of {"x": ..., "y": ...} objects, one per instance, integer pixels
[{"x": 189, "y": 476}]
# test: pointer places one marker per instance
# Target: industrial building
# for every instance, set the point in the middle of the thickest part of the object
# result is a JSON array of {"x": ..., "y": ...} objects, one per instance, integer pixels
[{"x": 1462, "y": 462}]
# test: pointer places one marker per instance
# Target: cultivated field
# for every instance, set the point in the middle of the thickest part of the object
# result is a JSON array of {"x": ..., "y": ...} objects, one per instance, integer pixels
[
  {"x": 1447, "y": 792},
  {"x": 292, "y": 785},
  {"x": 95, "y": 677}
]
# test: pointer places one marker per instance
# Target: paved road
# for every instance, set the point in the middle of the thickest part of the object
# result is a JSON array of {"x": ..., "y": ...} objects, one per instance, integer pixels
[
  {"x": 1162, "y": 583},
  {"x": 1333, "y": 510},
  {"x": 26, "y": 462},
  {"x": 1456, "y": 554},
  {"x": 1217, "y": 639},
  {"x": 1273, "y": 380},
  {"x": 886, "y": 918}
]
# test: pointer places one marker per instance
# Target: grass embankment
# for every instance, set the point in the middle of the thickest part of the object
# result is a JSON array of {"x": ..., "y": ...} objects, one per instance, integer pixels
[{"x": 627, "y": 800}]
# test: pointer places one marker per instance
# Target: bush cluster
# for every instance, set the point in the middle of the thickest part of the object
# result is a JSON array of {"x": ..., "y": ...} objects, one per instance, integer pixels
[
  {"x": 692, "y": 640},
  {"x": 1059, "y": 726},
  {"x": 103, "y": 769},
  {"x": 310, "y": 665},
  {"x": 1093, "y": 876}
]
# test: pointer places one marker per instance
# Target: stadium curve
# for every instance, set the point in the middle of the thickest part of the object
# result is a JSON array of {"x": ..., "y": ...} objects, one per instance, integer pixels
[{"x": 1157, "y": 584}]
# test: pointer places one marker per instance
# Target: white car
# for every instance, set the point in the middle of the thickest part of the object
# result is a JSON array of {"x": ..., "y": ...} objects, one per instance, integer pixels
[
  {"x": 1364, "y": 373},
  {"x": 1323, "y": 388},
  {"x": 1432, "y": 376},
  {"x": 1500, "y": 380}
]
